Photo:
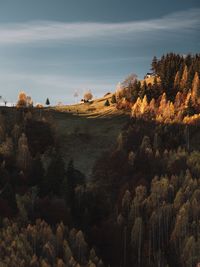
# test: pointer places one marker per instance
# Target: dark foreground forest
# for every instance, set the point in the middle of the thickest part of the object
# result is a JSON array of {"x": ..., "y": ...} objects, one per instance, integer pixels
[{"x": 141, "y": 204}]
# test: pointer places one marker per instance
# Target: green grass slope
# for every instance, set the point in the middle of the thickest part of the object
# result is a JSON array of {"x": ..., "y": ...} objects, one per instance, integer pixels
[{"x": 85, "y": 131}]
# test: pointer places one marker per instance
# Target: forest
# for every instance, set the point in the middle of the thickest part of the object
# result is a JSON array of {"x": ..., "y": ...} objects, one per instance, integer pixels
[{"x": 140, "y": 206}]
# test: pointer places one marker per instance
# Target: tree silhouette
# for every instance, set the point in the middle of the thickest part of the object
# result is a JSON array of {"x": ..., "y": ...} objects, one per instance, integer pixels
[
  {"x": 47, "y": 102},
  {"x": 107, "y": 103}
]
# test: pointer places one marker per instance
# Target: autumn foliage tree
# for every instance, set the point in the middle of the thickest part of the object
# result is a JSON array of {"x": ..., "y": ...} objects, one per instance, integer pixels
[{"x": 24, "y": 100}]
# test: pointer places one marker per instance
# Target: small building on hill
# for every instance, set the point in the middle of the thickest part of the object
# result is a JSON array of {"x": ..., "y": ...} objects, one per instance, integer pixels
[{"x": 149, "y": 75}]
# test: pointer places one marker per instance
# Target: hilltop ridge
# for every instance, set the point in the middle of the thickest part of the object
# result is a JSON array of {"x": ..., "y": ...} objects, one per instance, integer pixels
[{"x": 93, "y": 109}]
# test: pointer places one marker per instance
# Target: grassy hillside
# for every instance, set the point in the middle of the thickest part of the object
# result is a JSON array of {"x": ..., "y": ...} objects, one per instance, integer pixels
[
  {"x": 93, "y": 109},
  {"x": 87, "y": 130}
]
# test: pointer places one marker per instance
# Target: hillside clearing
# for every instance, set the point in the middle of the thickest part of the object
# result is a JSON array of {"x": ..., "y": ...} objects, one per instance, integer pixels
[{"x": 87, "y": 130}]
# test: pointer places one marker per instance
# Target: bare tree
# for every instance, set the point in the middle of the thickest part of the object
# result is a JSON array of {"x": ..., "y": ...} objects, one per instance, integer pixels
[
  {"x": 130, "y": 80},
  {"x": 76, "y": 95},
  {"x": 4, "y": 100},
  {"x": 88, "y": 96}
]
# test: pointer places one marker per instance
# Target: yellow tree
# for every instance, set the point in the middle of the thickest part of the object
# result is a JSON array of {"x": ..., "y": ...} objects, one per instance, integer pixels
[
  {"x": 184, "y": 78},
  {"x": 152, "y": 105},
  {"x": 136, "y": 108},
  {"x": 195, "y": 93},
  {"x": 163, "y": 102},
  {"x": 177, "y": 80},
  {"x": 178, "y": 100},
  {"x": 144, "y": 105},
  {"x": 22, "y": 99},
  {"x": 168, "y": 112},
  {"x": 162, "y": 107},
  {"x": 171, "y": 110},
  {"x": 188, "y": 98}
]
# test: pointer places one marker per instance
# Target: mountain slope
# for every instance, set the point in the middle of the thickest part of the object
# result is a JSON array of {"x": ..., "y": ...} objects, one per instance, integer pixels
[{"x": 87, "y": 130}]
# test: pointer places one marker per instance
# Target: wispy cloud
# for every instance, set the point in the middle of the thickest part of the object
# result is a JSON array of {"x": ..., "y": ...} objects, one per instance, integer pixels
[{"x": 51, "y": 31}]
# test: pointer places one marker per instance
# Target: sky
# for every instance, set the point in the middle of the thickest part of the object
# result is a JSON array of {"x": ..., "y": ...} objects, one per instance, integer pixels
[{"x": 54, "y": 48}]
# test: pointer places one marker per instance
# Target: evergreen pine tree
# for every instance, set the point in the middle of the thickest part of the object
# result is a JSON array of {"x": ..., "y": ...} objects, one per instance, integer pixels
[
  {"x": 47, "y": 102},
  {"x": 154, "y": 64},
  {"x": 113, "y": 99},
  {"x": 190, "y": 110},
  {"x": 177, "y": 80},
  {"x": 184, "y": 78},
  {"x": 195, "y": 93},
  {"x": 155, "y": 89},
  {"x": 107, "y": 103},
  {"x": 143, "y": 90}
]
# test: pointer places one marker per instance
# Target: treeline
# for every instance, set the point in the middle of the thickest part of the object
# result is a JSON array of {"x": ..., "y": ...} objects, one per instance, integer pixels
[
  {"x": 184, "y": 109},
  {"x": 174, "y": 67},
  {"x": 175, "y": 81}
]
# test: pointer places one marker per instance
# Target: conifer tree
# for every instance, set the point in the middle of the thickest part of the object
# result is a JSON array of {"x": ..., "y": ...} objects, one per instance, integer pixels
[
  {"x": 154, "y": 64},
  {"x": 107, "y": 103},
  {"x": 195, "y": 93},
  {"x": 137, "y": 238},
  {"x": 136, "y": 108},
  {"x": 144, "y": 105},
  {"x": 178, "y": 100},
  {"x": 152, "y": 106},
  {"x": 163, "y": 104},
  {"x": 184, "y": 78},
  {"x": 47, "y": 102},
  {"x": 189, "y": 107},
  {"x": 155, "y": 88},
  {"x": 143, "y": 89},
  {"x": 177, "y": 80},
  {"x": 113, "y": 99}
]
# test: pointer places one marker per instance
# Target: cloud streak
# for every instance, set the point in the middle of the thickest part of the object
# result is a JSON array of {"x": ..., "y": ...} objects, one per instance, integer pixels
[{"x": 38, "y": 32}]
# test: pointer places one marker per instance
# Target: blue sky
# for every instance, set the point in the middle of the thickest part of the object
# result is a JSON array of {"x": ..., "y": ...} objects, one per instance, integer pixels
[{"x": 52, "y": 48}]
